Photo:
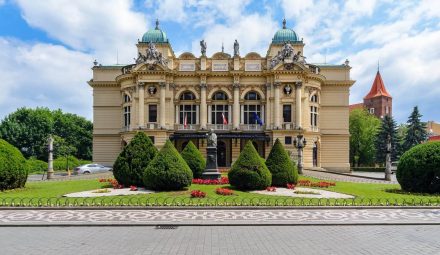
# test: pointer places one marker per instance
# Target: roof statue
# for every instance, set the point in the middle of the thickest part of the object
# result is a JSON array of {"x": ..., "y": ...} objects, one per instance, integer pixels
[
  {"x": 152, "y": 56},
  {"x": 236, "y": 48},
  {"x": 203, "y": 47}
]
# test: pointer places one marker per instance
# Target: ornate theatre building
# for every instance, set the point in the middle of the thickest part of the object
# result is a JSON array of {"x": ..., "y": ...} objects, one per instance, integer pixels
[{"x": 240, "y": 97}]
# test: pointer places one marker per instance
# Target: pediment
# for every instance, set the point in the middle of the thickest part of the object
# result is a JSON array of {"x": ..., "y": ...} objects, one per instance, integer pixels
[
  {"x": 150, "y": 67},
  {"x": 292, "y": 66}
]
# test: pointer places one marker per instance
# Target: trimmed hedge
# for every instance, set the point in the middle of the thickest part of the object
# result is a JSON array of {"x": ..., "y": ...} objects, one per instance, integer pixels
[
  {"x": 419, "y": 169},
  {"x": 168, "y": 170},
  {"x": 134, "y": 158},
  {"x": 194, "y": 159},
  {"x": 60, "y": 163},
  {"x": 249, "y": 172},
  {"x": 281, "y": 167},
  {"x": 35, "y": 165},
  {"x": 13, "y": 169}
]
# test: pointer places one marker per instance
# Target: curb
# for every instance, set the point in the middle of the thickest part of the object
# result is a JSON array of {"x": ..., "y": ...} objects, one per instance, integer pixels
[
  {"x": 352, "y": 175},
  {"x": 222, "y": 208}
]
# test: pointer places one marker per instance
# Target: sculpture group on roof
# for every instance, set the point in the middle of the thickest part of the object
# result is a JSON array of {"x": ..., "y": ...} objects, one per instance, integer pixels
[
  {"x": 152, "y": 56},
  {"x": 287, "y": 55}
]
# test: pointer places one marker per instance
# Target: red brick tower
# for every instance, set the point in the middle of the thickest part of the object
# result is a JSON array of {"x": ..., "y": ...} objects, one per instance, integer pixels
[{"x": 378, "y": 101}]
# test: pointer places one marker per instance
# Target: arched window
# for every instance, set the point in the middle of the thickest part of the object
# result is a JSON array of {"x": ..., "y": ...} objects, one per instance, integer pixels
[
  {"x": 219, "y": 110},
  {"x": 126, "y": 98},
  {"x": 314, "y": 112},
  {"x": 251, "y": 113},
  {"x": 314, "y": 98},
  {"x": 252, "y": 95},
  {"x": 187, "y": 95},
  {"x": 220, "y": 96}
]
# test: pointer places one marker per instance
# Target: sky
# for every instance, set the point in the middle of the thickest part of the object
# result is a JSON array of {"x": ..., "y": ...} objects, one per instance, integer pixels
[{"x": 47, "y": 47}]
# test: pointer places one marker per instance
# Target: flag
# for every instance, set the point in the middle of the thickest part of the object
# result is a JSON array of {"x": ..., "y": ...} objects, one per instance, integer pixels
[
  {"x": 257, "y": 119},
  {"x": 225, "y": 121},
  {"x": 185, "y": 121}
]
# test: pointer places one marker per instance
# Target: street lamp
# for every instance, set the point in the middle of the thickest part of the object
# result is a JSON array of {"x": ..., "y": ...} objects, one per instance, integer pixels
[
  {"x": 300, "y": 142},
  {"x": 388, "y": 160}
]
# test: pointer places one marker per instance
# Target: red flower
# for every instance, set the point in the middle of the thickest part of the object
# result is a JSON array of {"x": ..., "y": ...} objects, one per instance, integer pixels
[
  {"x": 290, "y": 186},
  {"x": 271, "y": 189},
  {"x": 133, "y": 188},
  {"x": 198, "y": 193},
  {"x": 223, "y": 180},
  {"x": 224, "y": 192}
]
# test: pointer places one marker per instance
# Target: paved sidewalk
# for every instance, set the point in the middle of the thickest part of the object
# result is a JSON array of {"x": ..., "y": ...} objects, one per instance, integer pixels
[
  {"x": 235, "y": 240},
  {"x": 345, "y": 178},
  {"x": 133, "y": 217}
]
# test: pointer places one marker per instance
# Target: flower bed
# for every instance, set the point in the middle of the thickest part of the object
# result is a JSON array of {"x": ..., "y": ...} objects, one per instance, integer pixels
[
  {"x": 290, "y": 186},
  {"x": 198, "y": 194},
  {"x": 224, "y": 192},
  {"x": 223, "y": 180},
  {"x": 271, "y": 189},
  {"x": 321, "y": 184},
  {"x": 113, "y": 182}
]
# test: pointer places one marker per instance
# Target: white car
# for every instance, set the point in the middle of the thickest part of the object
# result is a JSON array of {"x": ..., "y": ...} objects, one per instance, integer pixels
[{"x": 91, "y": 168}]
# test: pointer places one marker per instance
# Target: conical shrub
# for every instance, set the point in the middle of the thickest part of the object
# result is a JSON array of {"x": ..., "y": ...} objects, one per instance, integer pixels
[
  {"x": 280, "y": 166},
  {"x": 194, "y": 159},
  {"x": 134, "y": 158},
  {"x": 167, "y": 171},
  {"x": 249, "y": 172},
  {"x": 13, "y": 168}
]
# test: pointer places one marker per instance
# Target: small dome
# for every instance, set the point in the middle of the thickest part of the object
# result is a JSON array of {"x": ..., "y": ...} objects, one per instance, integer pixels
[
  {"x": 285, "y": 35},
  {"x": 155, "y": 35}
]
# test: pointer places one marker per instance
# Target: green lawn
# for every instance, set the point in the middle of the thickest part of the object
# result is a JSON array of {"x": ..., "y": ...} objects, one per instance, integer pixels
[{"x": 365, "y": 194}]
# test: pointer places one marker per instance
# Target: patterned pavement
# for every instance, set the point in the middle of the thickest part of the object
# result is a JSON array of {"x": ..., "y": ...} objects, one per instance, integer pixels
[
  {"x": 308, "y": 216},
  {"x": 346, "y": 178}
]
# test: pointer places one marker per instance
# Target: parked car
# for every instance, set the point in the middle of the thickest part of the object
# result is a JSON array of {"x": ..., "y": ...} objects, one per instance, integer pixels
[
  {"x": 394, "y": 166},
  {"x": 91, "y": 168}
]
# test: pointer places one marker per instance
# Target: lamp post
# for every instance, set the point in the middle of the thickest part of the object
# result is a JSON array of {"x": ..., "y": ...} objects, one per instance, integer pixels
[
  {"x": 388, "y": 160},
  {"x": 300, "y": 142},
  {"x": 50, "y": 159}
]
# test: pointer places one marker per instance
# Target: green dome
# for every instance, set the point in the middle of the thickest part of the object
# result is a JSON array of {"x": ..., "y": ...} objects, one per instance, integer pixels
[
  {"x": 285, "y": 35},
  {"x": 155, "y": 35}
]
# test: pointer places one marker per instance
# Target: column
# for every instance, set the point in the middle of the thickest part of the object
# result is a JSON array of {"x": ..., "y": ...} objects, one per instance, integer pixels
[
  {"x": 268, "y": 120},
  {"x": 141, "y": 93},
  {"x": 162, "y": 105},
  {"x": 298, "y": 110},
  {"x": 209, "y": 114},
  {"x": 203, "y": 105},
  {"x": 236, "y": 108},
  {"x": 276, "y": 109}
]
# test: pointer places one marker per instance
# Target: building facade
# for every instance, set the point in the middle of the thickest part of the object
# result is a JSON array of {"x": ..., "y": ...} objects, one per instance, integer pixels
[{"x": 241, "y": 97}]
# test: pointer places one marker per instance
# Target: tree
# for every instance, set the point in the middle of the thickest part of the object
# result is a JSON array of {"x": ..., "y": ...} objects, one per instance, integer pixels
[
  {"x": 13, "y": 168},
  {"x": 62, "y": 149},
  {"x": 249, "y": 172},
  {"x": 416, "y": 133},
  {"x": 28, "y": 130},
  {"x": 363, "y": 128},
  {"x": 194, "y": 159},
  {"x": 133, "y": 159},
  {"x": 281, "y": 167},
  {"x": 168, "y": 170},
  {"x": 387, "y": 128}
]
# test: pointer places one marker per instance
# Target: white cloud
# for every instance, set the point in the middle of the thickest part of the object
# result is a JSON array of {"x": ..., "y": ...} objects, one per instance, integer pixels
[
  {"x": 101, "y": 27},
  {"x": 44, "y": 75}
]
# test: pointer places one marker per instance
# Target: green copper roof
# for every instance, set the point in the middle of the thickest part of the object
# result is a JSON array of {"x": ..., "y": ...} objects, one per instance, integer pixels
[
  {"x": 285, "y": 35},
  {"x": 155, "y": 35}
]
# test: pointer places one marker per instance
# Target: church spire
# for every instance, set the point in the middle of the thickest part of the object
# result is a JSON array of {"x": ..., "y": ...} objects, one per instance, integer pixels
[{"x": 378, "y": 88}]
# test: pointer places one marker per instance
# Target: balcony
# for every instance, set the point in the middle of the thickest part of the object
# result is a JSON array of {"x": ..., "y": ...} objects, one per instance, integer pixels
[
  {"x": 314, "y": 129},
  {"x": 252, "y": 127},
  {"x": 126, "y": 129},
  {"x": 219, "y": 127},
  {"x": 189, "y": 127},
  {"x": 288, "y": 126}
]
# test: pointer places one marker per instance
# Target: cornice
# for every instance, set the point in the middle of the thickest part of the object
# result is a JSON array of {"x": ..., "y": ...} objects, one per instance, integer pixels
[
  {"x": 94, "y": 84},
  {"x": 339, "y": 82}
]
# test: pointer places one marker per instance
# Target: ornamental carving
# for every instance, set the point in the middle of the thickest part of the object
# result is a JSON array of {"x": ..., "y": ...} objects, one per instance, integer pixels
[
  {"x": 287, "y": 56},
  {"x": 152, "y": 57}
]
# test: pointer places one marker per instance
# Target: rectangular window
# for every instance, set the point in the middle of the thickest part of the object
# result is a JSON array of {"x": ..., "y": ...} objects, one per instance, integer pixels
[
  {"x": 126, "y": 116},
  {"x": 250, "y": 113},
  {"x": 152, "y": 113},
  {"x": 287, "y": 140},
  {"x": 188, "y": 111},
  {"x": 217, "y": 112},
  {"x": 287, "y": 113},
  {"x": 313, "y": 116},
  {"x": 372, "y": 110},
  {"x": 151, "y": 138}
]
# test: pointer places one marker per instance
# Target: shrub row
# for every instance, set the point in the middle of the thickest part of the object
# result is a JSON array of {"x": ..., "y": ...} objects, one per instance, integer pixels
[{"x": 13, "y": 168}]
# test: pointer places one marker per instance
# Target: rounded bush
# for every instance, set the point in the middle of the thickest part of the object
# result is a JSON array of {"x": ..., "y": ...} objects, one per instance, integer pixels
[
  {"x": 36, "y": 166},
  {"x": 419, "y": 168},
  {"x": 13, "y": 169},
  {"x": 60, "y": 163},
  {"x": 134, "y": 158},
  {"x": 168, "y": 170},
  {"x": 249, "y": 172},
  {"x": 280, "y": 166},
  {"x": 194, "y": 159}
]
